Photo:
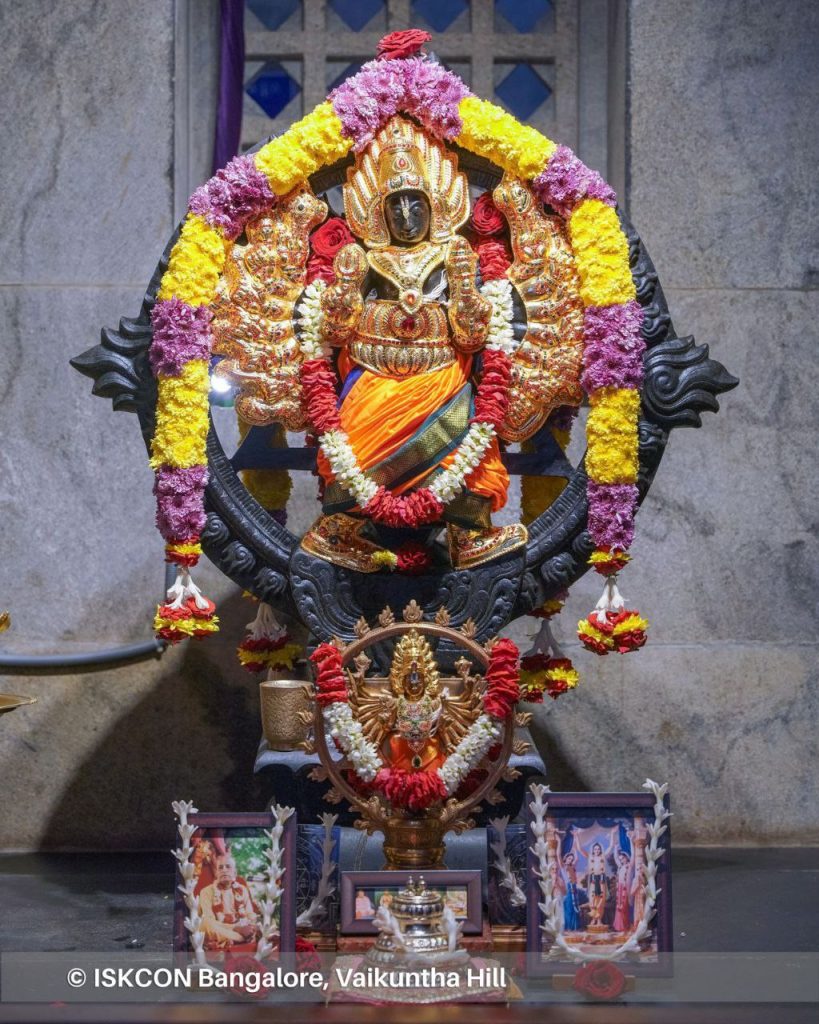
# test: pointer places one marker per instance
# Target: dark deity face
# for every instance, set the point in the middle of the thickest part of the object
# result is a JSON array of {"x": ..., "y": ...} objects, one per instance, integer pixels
[{"x": 408, "y": 216}]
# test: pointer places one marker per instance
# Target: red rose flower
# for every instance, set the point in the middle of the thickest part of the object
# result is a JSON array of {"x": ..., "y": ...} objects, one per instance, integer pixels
[
  {"x": 307, "y": 958},
  {"x": 486, "y": 217},
  {"x": 601, "y": 980},
  {"x": 332, "y": 236},
  {"x": 238, "y": 967},
  {"x": 402, "y": 44},
  {"x": 493, "y": 258}
]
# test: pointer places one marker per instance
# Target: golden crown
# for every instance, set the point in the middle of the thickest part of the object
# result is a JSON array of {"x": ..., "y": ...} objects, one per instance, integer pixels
[{"x": 403, "y": 156}]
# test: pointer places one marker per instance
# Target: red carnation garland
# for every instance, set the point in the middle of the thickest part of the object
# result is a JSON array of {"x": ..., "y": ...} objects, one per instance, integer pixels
[
  {"x": 331, "y": 687},
  {"x": 319, "y": 387},
  {"x": 502, "y": 680},
  {"x": 492, "y": 396},
  {"x": 415, "y": 790},
  {"x": 494, "y": 258}
]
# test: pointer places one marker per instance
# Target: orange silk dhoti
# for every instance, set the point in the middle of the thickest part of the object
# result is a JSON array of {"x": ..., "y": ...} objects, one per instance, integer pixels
[{"x": 405, "y": 430}]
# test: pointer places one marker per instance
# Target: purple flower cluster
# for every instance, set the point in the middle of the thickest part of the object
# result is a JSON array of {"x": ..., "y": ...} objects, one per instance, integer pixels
[
  {"x": 611, "y": 514},
  {"x": 234, "y": 195},
  {"x": 180, "y": 514},
  {"x": 382, "y": 88},
  {"x": 614, "y": 346},
  {"x": 567, "y": 180},
  {"x": 181, "y": 333}
]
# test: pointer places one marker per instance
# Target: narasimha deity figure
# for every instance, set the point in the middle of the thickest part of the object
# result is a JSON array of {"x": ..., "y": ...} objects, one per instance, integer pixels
[{"x": 409, "y": 370}]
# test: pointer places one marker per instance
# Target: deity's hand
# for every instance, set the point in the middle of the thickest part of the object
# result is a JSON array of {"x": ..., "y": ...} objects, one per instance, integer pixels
[
  {"x": 350, "y": 264},
  {"x": 469, "y": 311},
  {"x": 461, "y": 263},
  {"x": 342, "y": 303}
]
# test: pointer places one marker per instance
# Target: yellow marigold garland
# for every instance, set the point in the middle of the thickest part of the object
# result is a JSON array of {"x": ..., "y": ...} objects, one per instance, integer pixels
[
  {"x": 181, "y": 432},
  {"x": 195, "y": 264},
  {"x": 611, "y": 433},
  {"x": 492, "y": 133},
  {"x": 601, "y": 254},
  {"x": 306, "y": 147}
]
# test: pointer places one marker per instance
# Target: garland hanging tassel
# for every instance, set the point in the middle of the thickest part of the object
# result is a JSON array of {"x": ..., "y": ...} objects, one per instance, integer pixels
[
  {"x": 612, "y": 626},
  {"x": 187, "y": 612}
]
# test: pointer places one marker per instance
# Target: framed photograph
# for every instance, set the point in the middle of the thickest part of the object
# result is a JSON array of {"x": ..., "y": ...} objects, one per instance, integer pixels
[
  {"x": 362, "y": 892},
  {"x": 597, "y": 847},
  {"x": 230, "y": 870}
]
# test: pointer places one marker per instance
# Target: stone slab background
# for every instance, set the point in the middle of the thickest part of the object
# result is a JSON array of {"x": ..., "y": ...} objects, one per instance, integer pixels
[{"x": 721, "y": 154}]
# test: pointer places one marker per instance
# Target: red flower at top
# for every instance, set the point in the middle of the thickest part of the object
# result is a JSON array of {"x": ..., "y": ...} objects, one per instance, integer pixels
[
  {"x": 601, "y": 980},
  {"x": 332, "y": 236},
  {"x": 402, "y": 44},
  {"x": 486, "y": 217}
]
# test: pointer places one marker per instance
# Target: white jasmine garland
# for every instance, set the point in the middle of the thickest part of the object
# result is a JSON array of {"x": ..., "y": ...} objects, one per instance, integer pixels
[
  {"x": 501, "y": 337},
  {"x": 309, "y": 319},
  {"x": 450, "y": 482},
  {"x": 468, "y": 457},
  {"x": 340, "y": 725},
  {"x": 339, "y": 452},
  {"x": 484, "y": 733}
]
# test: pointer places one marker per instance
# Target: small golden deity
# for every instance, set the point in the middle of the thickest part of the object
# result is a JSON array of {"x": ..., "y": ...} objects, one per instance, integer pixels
[{"x": 417, "y": 721}]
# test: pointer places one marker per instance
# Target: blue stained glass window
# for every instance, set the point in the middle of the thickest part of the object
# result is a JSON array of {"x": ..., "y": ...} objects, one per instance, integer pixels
[
  {"x": 523, "y": 15},
  {"x": 357, "y": 14},
  {"x": 272, "y": 14},
  {"x": 339, "y": 70},
  {"x": 272, "y": 88},
  {"x": 439, "y": 15},
  {"x": 522, "y": 91}
]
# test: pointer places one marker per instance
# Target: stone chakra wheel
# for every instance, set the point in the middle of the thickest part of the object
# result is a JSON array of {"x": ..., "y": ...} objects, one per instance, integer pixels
[
  {"x": 263, "y": 557},
  {"x": 383, "y": 707}
]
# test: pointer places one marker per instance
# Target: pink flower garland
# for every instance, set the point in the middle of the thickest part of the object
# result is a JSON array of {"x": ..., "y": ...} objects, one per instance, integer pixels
[
  {"x": 567, "y": 181},
  {"x": 233, "y": 196},
  {"x": 613, "y": 344},
  {"x": 181, "y": 333},
  {"x": 413, "y": 85}
]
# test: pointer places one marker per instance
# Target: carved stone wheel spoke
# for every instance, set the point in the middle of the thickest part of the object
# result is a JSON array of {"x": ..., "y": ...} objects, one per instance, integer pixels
[{"x": 251, "y": 548}]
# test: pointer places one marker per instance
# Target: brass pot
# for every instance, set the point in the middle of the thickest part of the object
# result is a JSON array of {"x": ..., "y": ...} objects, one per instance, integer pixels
[{"x": 287, "y": 711}]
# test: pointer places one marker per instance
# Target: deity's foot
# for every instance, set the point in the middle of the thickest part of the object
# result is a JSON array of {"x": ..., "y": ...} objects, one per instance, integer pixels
[
  {"x": 340, "y": 539},
  {"x": 468, "y": 548}
]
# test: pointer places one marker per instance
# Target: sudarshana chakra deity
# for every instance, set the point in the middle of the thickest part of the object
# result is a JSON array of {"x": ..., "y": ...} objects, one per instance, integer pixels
[{"x": 420, "y": 284}]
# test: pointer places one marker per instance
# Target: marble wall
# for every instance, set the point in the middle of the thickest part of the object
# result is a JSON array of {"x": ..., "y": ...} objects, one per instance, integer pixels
[{"x": 722, "y": 702}]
